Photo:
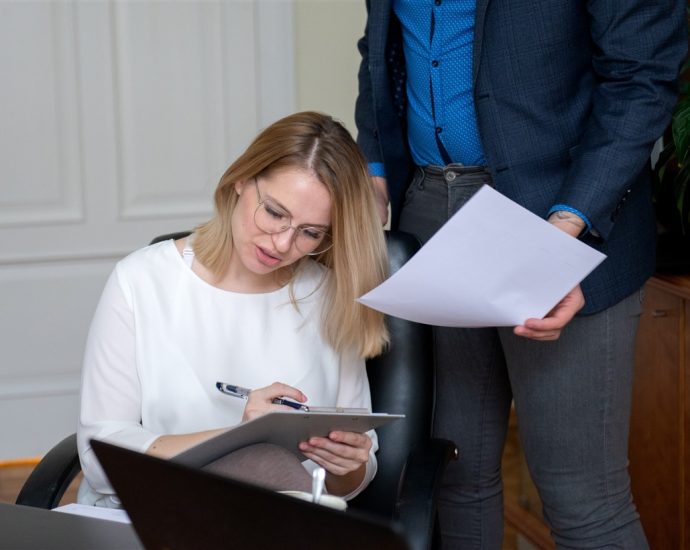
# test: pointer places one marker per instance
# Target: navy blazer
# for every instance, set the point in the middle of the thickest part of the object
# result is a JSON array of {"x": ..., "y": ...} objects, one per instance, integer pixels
[{"x": 570, "y": 98}]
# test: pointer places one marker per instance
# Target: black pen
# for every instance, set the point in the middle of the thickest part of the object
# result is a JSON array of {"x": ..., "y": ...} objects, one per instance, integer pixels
[{"x": 243, "y": 393}]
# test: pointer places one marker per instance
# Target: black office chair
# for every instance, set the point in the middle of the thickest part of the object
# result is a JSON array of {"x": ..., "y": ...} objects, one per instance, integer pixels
[{"x": 410, "y": 462}]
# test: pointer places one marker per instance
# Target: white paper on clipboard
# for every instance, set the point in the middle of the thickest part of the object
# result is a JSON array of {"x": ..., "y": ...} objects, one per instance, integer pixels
[{"x": 284, "y": 428}]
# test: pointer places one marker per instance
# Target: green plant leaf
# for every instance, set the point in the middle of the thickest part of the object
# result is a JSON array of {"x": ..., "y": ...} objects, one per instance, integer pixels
[
  {"x": 660, "y": 179},
  {"x": 665, "y": 155},
  {"x": 684, "y": 88},
  {"x": 682, "y": 196},
  {"x": 686, "y": 65},
  {"x": 680, "y": 129}
]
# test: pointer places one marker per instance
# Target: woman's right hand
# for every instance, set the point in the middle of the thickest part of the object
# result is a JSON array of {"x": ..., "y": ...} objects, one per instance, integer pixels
[{"x": 260, "y": 401}]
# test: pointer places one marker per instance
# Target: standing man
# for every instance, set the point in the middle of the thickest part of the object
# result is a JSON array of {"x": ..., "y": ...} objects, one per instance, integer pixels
[{"x": 556, "y": 104}]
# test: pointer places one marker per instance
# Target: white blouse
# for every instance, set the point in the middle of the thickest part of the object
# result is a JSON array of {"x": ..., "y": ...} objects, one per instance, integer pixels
[{"x": 162, "y": 337}]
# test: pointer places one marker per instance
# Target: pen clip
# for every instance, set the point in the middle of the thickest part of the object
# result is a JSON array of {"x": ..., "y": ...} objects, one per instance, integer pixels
[{"x": 235, "y": 391}]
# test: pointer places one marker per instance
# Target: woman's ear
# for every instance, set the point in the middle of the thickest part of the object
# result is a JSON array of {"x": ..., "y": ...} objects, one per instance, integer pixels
[{"x": 239, "y": 186}]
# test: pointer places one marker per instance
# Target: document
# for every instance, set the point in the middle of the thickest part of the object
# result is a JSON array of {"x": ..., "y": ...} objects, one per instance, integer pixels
[
  {"x": 493, "y": 263},
  {"x": 284, "y": 428}
]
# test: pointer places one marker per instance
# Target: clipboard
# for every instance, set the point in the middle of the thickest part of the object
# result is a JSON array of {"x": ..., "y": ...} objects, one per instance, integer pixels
[{"x": 284, "y": 428}]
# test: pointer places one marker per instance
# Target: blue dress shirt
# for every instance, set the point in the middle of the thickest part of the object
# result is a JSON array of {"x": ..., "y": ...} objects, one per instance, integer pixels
[{"x": 437, "y": 41}]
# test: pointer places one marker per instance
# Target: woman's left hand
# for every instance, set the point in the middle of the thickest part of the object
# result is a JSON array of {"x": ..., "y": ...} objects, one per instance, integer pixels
[{"x": 340, "y": 453}]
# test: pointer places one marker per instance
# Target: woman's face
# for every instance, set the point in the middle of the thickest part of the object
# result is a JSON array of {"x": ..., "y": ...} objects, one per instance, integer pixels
[{"x": 295, "y": 194}]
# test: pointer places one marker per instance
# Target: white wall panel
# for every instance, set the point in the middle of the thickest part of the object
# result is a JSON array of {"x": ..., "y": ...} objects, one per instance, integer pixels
[
  {"x": 32, "y": 424},
  {"x": 46, "y": 309},
  {"x": 169, "y": 80},
  {"x": 40, "y": 153}
]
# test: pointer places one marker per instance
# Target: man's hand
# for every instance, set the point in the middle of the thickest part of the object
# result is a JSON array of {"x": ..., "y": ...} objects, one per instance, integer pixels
[
  {"x": 381, "y": 195},
  {"x": 549, "y": 328},
  {"x": 569, "y": 222}
]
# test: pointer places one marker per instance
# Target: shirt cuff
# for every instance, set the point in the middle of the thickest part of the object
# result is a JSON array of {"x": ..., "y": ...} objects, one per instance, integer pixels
[
  {"x": 566, "y": 208},
  {"x": 377, "y": 169}
]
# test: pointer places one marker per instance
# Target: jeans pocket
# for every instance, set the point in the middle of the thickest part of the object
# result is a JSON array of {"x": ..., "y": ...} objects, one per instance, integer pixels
[{"x": 416, "y": 184}]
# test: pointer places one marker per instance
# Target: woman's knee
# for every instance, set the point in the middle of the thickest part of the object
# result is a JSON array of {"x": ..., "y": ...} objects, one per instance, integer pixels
[{"x": 266, "y": 465}]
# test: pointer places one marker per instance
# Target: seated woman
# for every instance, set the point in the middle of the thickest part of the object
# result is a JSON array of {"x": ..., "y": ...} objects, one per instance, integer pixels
[{"x": 261, "y": 296}]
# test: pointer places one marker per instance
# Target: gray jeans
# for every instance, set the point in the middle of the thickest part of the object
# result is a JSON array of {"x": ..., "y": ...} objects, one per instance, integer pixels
[{"x": 572, "y": 399}]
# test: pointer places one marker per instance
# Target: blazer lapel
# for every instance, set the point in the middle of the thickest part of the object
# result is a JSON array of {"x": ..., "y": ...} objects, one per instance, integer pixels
[
  {"x": 478, "y": 36},
  {"x": 380, "y": 11}
]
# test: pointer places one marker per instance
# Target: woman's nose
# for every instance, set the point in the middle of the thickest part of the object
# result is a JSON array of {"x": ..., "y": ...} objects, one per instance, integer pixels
[{"x": 283, "y": 240}]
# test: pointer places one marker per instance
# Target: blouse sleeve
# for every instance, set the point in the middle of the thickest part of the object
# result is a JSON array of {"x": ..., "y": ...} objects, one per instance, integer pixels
[
  {"x": 354, "y": 392},
  {"x": 111, "y": 395}
]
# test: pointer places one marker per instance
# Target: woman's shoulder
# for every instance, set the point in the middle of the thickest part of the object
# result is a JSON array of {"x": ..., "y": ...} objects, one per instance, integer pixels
[{"x": 161, "y": 255}]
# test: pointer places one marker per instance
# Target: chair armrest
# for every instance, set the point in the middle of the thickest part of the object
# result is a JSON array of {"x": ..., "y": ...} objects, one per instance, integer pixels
[
  {"x": 52, "y": 476},
  {"x": 419, "y": 488}
]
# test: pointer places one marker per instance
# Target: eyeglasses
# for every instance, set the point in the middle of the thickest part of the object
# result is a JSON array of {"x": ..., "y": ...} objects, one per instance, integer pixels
[{"x": 273, "y": 219}]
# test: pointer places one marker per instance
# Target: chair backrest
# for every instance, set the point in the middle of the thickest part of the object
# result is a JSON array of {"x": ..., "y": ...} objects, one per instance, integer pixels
[
  {"x": 174, "y": 236},
  {"x": 402, "y": 381},
  {"x": 51, "y": 477}
]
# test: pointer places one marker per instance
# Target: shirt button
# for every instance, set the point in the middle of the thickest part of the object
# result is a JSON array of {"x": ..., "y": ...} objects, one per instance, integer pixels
[
  {"x": 437, "y": 2},
  {"x": 434, "y": 63},
  {"x": 439, "y": 129}
]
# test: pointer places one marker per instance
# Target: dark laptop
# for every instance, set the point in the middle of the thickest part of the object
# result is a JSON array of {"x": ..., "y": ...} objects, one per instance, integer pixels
[{"x": 177, "y": 507}]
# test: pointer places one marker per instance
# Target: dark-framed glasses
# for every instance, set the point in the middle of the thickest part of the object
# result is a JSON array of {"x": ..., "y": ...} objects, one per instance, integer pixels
[{"x": 271, "y": 218}]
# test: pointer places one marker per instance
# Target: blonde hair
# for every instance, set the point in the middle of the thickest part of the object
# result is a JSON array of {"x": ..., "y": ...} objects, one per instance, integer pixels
[{"x": 357, "y": 261}]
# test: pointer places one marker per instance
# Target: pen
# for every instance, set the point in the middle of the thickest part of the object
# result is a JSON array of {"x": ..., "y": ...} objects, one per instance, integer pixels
[{"x": 243, "y": 393}]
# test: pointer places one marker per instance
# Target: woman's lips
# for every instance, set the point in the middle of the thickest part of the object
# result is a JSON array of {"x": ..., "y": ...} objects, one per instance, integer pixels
[{"x": 265, "y": 258}]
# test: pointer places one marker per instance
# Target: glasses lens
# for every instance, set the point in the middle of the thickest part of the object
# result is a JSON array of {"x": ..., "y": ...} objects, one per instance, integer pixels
[
  {"x": 308, "y": 240},
  {"x": 270, "y": 218}
]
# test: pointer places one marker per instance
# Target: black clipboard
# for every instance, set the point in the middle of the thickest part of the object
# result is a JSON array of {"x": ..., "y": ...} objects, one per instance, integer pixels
[{"x": 284, "y": 428}]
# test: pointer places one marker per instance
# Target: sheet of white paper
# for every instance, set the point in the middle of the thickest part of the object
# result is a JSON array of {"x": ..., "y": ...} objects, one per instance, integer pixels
[
  {"x": 111, "y": 514},
  {"x": 493, "y": 263}
]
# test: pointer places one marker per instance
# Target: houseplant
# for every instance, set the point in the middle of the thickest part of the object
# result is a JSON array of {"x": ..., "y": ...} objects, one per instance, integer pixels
[{"x": 671, "y": 179}]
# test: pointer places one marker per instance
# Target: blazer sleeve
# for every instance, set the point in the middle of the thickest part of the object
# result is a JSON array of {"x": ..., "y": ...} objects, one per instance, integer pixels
[
  {"x": 365, "y": 119},
  {"x": 638, "y": 50}
]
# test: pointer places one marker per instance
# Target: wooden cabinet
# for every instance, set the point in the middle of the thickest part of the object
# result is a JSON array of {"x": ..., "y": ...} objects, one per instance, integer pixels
[{"x": 659, "y": 439}]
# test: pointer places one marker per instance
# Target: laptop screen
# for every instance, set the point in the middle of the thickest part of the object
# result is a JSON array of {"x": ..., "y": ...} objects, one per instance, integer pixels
[{"x": 173, "y": 506}]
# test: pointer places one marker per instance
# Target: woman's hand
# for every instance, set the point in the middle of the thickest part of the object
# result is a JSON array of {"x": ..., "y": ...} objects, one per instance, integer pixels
[
  {"x": 260, "y": 401},
  {"x": 343, "y": 455}
]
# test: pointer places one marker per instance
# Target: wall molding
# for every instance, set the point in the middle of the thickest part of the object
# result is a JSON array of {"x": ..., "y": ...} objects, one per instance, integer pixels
[{"x": 46, "y": 386}]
